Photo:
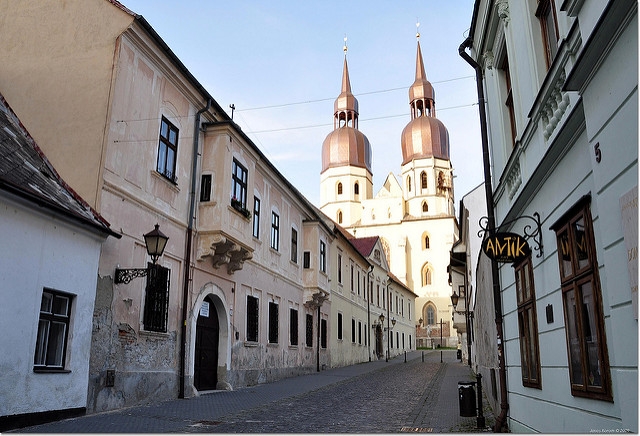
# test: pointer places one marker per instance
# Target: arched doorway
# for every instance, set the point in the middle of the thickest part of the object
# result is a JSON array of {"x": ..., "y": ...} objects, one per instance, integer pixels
[{"x": 206, "y": 350}]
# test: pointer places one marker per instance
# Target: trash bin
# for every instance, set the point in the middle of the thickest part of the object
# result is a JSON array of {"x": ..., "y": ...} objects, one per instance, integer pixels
[
  {"x": 459, "y": 354},
  {"x": 467, "y": 398}
]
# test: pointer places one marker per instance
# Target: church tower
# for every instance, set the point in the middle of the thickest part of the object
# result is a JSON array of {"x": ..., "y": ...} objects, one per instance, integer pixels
[
  {"x": 426, "y": 169},
  {"x": 346, "y": 179}
]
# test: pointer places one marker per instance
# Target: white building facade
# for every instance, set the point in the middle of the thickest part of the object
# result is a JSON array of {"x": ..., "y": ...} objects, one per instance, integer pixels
[{"x": 560, "y": 80}]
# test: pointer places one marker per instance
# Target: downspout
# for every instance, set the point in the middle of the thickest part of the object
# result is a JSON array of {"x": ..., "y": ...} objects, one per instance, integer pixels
[
  {"x": 388, "y": 329},
  {"x": 187, "y": 260},
  {"x": 369, "y": 293},
  {"x": 491, "y": 224}
]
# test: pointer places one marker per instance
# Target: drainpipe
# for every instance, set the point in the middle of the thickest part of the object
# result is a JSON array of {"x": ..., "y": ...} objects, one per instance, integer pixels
[
  {"x": 491, "y": 224},
  {"x": 187, "y": 261},
  {"x": 388, "y": 329},
  {"x": 369, "y": 293}
]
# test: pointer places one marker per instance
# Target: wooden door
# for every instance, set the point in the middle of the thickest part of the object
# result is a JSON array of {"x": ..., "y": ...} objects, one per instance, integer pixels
[{"x": 206, "y": 352}]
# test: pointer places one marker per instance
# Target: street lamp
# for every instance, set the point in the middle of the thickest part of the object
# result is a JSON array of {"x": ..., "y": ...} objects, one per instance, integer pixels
[{"x": 155, "y": 241}]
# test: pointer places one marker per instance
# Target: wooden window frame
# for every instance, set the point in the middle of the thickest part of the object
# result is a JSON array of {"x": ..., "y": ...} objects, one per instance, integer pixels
[
  {"x": 205, "y": 187},
  {"x": 239, "y": 182},
  {"x": 167, "y": 150},
  {"x": 50, "y": 353},
  {"x": 546, "y": 14},
  {"x": 275, "y": 231},
  {"x": 528, "y": 325},
  {"x": 273, "y": 334},
  {"x": 323, "y": 256},
  {"x": 256, "y": 217},
  {"x": 509, "y": 99},
  {"x": 294, "y": 245},
  {"x": 293, "y": 327},
  {"x": 578, "y": 267}
]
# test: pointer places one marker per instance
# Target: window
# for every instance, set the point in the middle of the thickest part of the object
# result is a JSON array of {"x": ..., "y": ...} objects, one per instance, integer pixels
[
  {"x": 306, "y": 260},
  {"x": 309, "y": 331},
  {"x": 339, "y": 326},
  {"x": 239, "y": 186},
  {"x": 252, "y": 319},
  {"x": 339, "y": 188},
  {"x": 351, "y": 281},
  {"x": 528, "y": 324},
  {"x": 167, "y": 150},
  {"x": 339, "y": 217},
  {"x": 293, "y": 327},
  {"x": 509, "y": 100},
  {"x": 340, "y": 268},
  {"x": 360, "y": 332},
  {"x": 358, "y": 282},
  {"x": 425, "y": 207},
  {"x": 353, "y": 330},
  {"x": 431, "y": 315},
  {"x": 582, "y": 301},
  {"x": 273, "y": 322},
  {"x": 156, "y": 301},
  {"x": 205, "y": 187},
  {"x": 546, "y": 13},
  {"x": 256, "y": 217},
  {"x": 323, "y": 333},
  {"x": 294, "y": 245},
  {"x": 409, "y": 184},
  {"x": 323, "y": 256},
  {"x": 426, "y": 242},
  {"x": 426, "y": 275},
  {"x": 356, "y": 189},
  {"x": 53, "y": 330},
  {"x": 423, "y": 180},
  {"x": 275, "y": 231}
]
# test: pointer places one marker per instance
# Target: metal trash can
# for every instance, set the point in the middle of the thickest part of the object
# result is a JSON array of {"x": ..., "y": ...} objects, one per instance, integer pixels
[{"x": 467, "y": 398}]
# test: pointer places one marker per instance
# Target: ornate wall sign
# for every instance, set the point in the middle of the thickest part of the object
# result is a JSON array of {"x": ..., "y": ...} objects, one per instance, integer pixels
[{"x": 506, "y": 247}]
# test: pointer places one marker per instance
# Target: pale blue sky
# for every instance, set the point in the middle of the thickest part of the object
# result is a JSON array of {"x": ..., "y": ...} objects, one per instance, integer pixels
[{"x": 280, "y": 64}]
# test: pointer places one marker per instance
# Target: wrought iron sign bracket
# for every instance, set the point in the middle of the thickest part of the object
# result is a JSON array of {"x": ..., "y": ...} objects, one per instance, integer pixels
[
  {"x": 126, "y": 275},
  {"x": 529, "y": 231}
]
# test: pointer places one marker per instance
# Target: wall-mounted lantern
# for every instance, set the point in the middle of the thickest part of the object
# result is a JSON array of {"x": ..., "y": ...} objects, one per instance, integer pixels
[{"x": 155, "y": 241}]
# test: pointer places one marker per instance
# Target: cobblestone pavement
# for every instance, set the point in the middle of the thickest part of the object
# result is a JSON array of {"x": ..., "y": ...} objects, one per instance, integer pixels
[{"x": 419, "y": 395}]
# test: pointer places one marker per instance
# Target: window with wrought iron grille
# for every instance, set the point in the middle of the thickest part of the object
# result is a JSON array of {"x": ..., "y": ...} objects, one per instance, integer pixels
[
  {"x": 167, "y": 150},
  {"x": 528, "y": 324},
  {"x": 156, "y": 300},
  {"x": 309, "y": 330},
  {"x": 293, "y": 327},
  {"x": 582, "y": 301},
  {"x": 53, "y": 330},
  {"x": 273, "y": 322},
  {"x": 252, "y": 319}
]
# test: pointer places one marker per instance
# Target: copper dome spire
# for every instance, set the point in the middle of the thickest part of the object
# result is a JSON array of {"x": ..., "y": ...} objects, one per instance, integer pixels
[
  {"x": 346, "y": 145},
  {"x": 425, "y": 136}
]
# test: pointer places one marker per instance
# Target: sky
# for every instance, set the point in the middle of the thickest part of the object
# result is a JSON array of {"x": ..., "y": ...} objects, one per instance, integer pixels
[{"x": 280, "y": 62}]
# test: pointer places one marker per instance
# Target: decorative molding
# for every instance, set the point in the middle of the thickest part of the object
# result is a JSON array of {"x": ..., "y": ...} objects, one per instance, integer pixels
[
  {"x": 223, "y": 251},
  {"x": 554, "y": 107},
  {"x": 514, "y": 179},
  {"x": 489, "y": 59},
  {"x": 503, "y": 11}
]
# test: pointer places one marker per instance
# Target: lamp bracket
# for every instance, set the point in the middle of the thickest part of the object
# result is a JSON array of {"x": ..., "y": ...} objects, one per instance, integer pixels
[
  {"x": 126, "y": 275},
  {"x": 527, "y": 231}
]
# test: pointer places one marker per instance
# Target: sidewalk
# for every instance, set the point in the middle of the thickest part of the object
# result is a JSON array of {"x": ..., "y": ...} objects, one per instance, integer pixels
[{"x": 438, "y": 409}]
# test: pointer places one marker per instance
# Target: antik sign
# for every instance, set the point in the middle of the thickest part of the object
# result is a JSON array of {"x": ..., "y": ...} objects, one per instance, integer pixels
[{"x": 506, "y": 247}]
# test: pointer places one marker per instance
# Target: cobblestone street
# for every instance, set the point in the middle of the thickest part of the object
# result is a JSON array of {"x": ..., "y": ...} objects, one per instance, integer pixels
[{"x": 419, "y": 395}]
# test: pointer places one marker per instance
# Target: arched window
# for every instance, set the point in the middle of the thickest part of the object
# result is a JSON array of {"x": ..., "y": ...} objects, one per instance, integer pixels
[
  {"x": 339, "y": 217},
  {"x": 423, "y": 180},
  {"x": 425, "y": 242},
  {"x": 356, "y": 189},
  {"x": 425, "y": 207},
  {"x": 426, "y": 275},
  {"x": 409, "y": 183},
  {"x": 339, "y": 188},
  {"x": 431, "y": 315}
]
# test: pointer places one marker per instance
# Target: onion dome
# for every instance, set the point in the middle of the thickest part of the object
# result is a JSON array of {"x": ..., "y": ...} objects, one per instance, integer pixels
[
  {"x": 346, "y": 145},
  {"x": 425, "y": 136}
]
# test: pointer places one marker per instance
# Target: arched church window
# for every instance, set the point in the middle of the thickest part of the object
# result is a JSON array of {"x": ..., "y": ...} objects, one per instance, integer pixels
[
  {"x": 425, "y": 242},
  {"x": 426, "y": 275},
  {"x": 409, "y": 183},
  {"x": 431, "y": 315},
  {"x": 356, "y": 189},
  {"x": 339, "y": 188},
  {"x": 339, "y": 217},
  {"x": 425, "y": 207},
  {"x": 423, "y": 180}
]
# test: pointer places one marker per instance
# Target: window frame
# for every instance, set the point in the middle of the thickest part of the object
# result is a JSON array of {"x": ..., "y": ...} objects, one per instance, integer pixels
[
  {"x": 273, "y": 333},
  {"x": 156, "y": 299},
  {"x": 309, "y": 330},
  {"x": 323, "y": 257},
  {"x": 256, "y": 217},
  {"x": 546, "y": 14},
  {"x": 572, "y": 282},
  {"x": 253, "y": 319},
  {"x": 527, "y": 324},
  {"x": 42, "y": 345},
  {"x": 508, "y": 101},
  {"x": 239, "y": 185},
  {"x": 167, "y": 147},
  {"x": 339, "y": 327},
  {"x": 293, "y": 327},
  {"x": 275, "y": 231},
  {"x": 206, "y": 181},
  {"x": 294, "y": 245}
]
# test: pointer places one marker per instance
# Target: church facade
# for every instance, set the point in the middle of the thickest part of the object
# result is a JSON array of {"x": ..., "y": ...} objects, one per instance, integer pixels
[{"x": 414, "y": 216}]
